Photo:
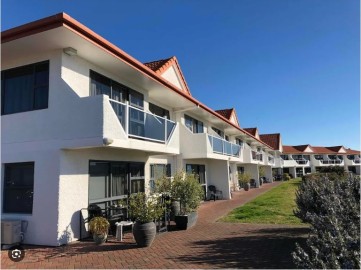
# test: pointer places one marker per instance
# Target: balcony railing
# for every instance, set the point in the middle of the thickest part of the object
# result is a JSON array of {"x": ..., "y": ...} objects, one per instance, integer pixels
[
  {"x": 143, "y": 125},
  {"x": 301, "y": 161},
  {"x": 224, "y": 147},
  {"x": 331, "y": 161}
]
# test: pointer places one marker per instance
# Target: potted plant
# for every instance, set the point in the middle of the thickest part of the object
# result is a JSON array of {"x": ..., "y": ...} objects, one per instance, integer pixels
[
  {"x": 163, "y": 185},
  {"x": 244, "y": 181},
  {"x": 99, "y": 227},
  {"x": 187, "y": 189},
  {"x": 262, "y": 174},
  {"x": 145, "y": 210}
]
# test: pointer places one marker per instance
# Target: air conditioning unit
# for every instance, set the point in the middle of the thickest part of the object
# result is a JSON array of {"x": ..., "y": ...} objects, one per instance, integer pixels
[{"x": 10, "y": 232}]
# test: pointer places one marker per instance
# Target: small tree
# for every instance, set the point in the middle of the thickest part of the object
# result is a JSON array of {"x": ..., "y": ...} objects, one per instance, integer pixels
[
  {"x": 244, "y": 178},
  {"x": 262, "y": 172},
  {"x": 186, "y": 188},
  {"x": 332, "y": 207}
]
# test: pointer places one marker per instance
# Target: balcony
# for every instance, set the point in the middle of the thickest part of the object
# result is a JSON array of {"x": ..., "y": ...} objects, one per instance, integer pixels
[
  {"x": 204, "y": 145},
  {"x": 224, "y": 147},
  {"x": 332, "y": 161},
  {"x": 142, "y": 125},
  {"x": 302, "y": 161},
  {"x": 352, "y": 160},
  {"x": 296, "y": 162}
]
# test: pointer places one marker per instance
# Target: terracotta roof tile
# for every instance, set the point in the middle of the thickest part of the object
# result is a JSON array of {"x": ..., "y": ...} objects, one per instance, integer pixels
[
  {"x": 156, "y": 65},
  {"x": 272, "y": 140},
  {"x": 252, "y": 131},
  {"x": 352, "y": 152},
  {"x": 226, "y": 113},
  {"x": 330, "y": 150}
]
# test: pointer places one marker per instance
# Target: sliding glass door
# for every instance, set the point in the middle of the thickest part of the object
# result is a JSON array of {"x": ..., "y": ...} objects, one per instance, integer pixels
[{"x": 111, "y": 181}]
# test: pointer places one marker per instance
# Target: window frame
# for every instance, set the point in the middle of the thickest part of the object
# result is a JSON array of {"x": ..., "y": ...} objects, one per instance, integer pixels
[
  {"x": 126, "y": 92},
  {"x": 196, "y": 127},
  {"x": 18, "y": 187},
  {"x": 34, "y": 86}
]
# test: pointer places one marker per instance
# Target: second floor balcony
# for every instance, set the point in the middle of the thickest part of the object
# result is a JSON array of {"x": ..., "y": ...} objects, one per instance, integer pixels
[
  {"x": 221, "y": 146},
  {"x": 204, "y": 145},
  {"x": 143, "y": 125}
]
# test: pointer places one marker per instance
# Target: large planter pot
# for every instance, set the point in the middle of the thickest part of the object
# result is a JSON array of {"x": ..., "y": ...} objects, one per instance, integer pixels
[
  {"x": 247, "y": 186},
  {"x": 175, "y": 209},
  {"x": 186, "y": 221},
  {"x": 144, "y": 233},
  {"x": 100, "y": 238}
]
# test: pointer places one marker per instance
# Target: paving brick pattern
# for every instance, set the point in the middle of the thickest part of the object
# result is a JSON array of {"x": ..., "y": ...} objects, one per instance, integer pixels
[{"x": 209, "y": 244}]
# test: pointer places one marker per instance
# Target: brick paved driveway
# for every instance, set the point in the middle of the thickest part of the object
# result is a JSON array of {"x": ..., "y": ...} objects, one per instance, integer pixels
[{"x": 209, "y": 244}]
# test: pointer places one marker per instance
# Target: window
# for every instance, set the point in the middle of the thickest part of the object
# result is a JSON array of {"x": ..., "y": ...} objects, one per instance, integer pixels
[
  {"x": 111, "y": 181},
  {"x": 285, "y": 157},
  {"x": 158, "y": 111},
  {"x": 239, "y": 142},
  {"x": 101, "y": 85},
  {"x": 25, "y": 88},
  {"x": 157, "y": 171},
  {"x": 193, "y": 125},
  {"x": 218, "y": 131},
  {"x": 18, "y": 188}
]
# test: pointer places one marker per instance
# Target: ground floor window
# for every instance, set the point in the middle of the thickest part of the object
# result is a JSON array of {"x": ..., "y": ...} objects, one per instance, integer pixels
[
  {"x": 18, "y": 188},
  {"x": 111, "y": 181},
  {"x": 352, "y": 169},
  {"x": 157, "y": 171},
  {"x": 299, "y": 172},
  {"x": 240, "y": 170},
  {"x": 200, "y": 172},
  {"x": 307, "y": 170}
]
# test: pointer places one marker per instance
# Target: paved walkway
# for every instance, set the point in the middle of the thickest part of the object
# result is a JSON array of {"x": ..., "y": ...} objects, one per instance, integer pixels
[{"x": 209, "y": 244}]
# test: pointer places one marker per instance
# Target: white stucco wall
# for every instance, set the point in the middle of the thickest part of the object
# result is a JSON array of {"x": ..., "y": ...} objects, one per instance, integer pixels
[
  {"x": 172, "y": 76},
  {"x": 74, "y": 183}
]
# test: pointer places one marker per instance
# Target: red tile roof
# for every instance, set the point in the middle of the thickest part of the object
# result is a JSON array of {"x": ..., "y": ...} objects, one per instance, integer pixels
[
  {"x": 330, "y": 150},
  {"x": 156, "y": 65},
  {"x": 272, "y": 140},
  {"x": 352, "y": 152},
  {"x": 226, "y": 113},
  {"x": 252, "y": 131}
]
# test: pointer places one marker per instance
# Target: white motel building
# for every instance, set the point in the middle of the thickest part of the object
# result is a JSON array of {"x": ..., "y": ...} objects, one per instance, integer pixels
[{"x": 84, "y": 122}]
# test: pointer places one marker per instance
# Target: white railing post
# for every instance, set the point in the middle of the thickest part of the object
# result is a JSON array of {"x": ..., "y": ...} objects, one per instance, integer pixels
[
  {"x": 165, "y": 130},
  {"x": 127, "y": 123}
]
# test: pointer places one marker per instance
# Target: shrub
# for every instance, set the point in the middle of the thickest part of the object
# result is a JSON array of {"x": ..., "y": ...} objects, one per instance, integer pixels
[
  {"x": 145, "y": 208},
  {"x": 243, "y": 179},
  {"x": 186, "y": 188},
  {"x": 99, "y": 225},
  {"x": 332, "y": 207},
  {"x": 286, "y": 176}
]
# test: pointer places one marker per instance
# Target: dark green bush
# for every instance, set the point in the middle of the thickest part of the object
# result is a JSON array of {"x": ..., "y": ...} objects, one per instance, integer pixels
[{"x": 332, "y": 207}]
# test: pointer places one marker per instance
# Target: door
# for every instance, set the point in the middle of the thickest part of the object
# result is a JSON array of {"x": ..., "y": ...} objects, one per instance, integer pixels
[{"x": 200, "y": 171}]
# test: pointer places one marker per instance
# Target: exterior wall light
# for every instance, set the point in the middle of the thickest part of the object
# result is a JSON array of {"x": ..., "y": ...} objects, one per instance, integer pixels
[
  {"x": 107, "y": 141},
  {"x": 70, "y": 51}
]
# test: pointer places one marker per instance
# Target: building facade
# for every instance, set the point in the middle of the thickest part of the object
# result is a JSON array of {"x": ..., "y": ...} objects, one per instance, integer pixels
[{"x": 85, "y": 123}]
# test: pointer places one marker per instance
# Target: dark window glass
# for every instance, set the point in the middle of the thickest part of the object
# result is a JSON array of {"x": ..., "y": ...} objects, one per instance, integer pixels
[
  {"x": 110, "y": 181},
  {"x": 136, "y": 99},
  {"x": 158, "y": 170},
  {"x": 25, "y": 88},
  {"x": 218, "y": 131},
  {"x": 101, "y": 85},
  {"x": 158, "y": 110},
  {"x": 193, "y": 125},
  {"x": 18, "y": 188}
]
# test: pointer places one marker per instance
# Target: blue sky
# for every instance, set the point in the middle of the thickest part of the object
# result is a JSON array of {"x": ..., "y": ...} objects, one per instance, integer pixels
[{"x": 286, "y": 66}]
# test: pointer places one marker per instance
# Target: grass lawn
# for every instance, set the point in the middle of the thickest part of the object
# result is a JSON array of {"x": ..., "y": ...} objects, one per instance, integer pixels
[{"x": 273, "y": 207}]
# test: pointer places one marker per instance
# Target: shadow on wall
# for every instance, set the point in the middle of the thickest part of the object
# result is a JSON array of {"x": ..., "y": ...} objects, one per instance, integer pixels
[
  {"x": 71, "y": 231},
  {"x": 269, "y": 248}
]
